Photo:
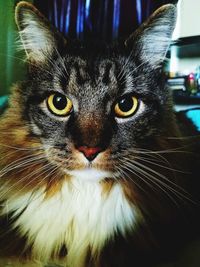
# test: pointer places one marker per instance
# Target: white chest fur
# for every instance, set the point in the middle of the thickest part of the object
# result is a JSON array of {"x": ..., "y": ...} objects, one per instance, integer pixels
[{"x": 79, "y": 215}]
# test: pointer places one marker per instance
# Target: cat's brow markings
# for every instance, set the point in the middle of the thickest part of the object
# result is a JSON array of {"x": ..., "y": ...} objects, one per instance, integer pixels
[
  {"x": 106, "y": 71},
  {"x": 77, "y": 76}
]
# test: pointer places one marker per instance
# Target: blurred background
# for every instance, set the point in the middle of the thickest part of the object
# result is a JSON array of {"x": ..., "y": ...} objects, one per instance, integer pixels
[{"x": 108, "y": 20}]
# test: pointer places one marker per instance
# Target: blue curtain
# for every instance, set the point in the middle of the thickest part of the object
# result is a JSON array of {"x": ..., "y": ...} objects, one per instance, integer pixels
[{"x": 99, "y": 19}]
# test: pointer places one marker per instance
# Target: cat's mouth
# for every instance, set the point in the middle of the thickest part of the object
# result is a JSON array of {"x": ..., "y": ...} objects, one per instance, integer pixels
[
  {"x": 96, "y": 170},
  {"x": 78, "y": 167}
]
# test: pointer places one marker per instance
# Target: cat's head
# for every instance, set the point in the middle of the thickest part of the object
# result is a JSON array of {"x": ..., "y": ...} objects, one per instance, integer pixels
[{"x": 92, "y": 106}]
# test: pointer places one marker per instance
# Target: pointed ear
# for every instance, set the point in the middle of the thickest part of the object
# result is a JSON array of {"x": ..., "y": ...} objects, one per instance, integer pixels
[
  {"x": 152, "y": 39},
  {"x": 37, "y": 36}
]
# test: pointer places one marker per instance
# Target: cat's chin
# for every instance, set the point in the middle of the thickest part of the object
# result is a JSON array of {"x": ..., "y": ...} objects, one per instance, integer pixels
[{"x": 90, "y": 174}]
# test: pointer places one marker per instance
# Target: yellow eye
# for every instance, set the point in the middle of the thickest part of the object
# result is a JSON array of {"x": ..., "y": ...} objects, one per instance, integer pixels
[
  {"x": 59, "y": 104},
  {"x": 126, "y": 106}
]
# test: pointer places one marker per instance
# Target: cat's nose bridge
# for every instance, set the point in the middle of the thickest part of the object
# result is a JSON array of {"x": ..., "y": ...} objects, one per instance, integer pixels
[{"x": 90, "y": 130}]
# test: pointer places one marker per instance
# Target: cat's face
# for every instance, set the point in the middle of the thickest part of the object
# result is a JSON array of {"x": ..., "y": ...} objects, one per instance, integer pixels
[{"x": 95, "y": 107}]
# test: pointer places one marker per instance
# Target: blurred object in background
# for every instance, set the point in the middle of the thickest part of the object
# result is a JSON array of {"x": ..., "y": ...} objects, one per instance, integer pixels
[
  {"x": 188, "y": 20},
  {"x": 184, "y": 69},
  {"x": 3, "y": 103},
  {"x": 194, "y": 115}
]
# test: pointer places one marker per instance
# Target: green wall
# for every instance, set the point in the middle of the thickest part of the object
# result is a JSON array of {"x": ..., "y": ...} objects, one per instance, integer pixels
[{"x": 12, "y": 67}]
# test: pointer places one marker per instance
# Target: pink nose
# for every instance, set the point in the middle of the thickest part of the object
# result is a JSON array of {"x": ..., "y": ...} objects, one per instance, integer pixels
[{"x": 90, "y": 152}]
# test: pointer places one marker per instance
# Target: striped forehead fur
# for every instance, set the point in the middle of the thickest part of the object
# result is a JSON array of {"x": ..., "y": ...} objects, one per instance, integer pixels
[{"x": 81, "y": 72}]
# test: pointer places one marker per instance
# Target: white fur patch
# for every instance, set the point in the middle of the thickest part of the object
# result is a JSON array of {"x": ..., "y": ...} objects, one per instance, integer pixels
[
  {"x": 79, "y": 215},
  {"x": 90, "y": 174}
]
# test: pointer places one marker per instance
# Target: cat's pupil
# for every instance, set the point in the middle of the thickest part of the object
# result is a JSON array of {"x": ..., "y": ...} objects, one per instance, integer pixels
[
  {"x": 126, "y": 104},
  {"x": 59, "y": 101}
]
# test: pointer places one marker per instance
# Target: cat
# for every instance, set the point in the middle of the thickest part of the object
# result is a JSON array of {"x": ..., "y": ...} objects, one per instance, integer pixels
[{"x": 95, "y": 168}]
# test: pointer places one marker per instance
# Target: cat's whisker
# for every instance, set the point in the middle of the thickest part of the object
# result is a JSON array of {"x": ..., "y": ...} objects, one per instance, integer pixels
[
  {"x": 22, "y": 157},
  {"x": 154, "y": 181},
  {"x": 154, "y": 172},
  {"x": 50, "y": 173},
  {"x": 22, "y": 162},
  {"x": 42, "y": 170},
  {"x": 153, "y": 156},
  {"x": 124, "y": 175},
  {"x": 145, "y": 179},
  {"x": 182, "y": 137},
  {"x": 48, "y": 168},
  {"x": 135, "y": 171},
  {"x": 164, "y": 151},
  {"x": 177, "y": 190},
  {"x": 10, "y": 165},
  {"x": 35, "y": 161},
  {"x": 23, "y": 148},
  {"x": 13, "y": 151},
  {"x": 159, "y": 165},
  {"x": 7, "y": 174}
]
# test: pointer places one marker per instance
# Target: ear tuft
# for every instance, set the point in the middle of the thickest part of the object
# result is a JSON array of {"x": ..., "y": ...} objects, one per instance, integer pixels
[
  {"x": 35, "y": 32},
  {"x": 152, "y": 39}
]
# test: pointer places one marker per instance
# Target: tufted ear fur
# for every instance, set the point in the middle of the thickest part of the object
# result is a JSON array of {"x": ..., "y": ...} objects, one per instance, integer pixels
[
  {"x": 152, "y": 39},
  {"x": 38, "y": 38}
]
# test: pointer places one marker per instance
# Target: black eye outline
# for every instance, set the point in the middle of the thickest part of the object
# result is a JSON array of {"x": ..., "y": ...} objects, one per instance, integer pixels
[
  {"x": 130, "y": 100},
  {"x": 67, "y": 105}
]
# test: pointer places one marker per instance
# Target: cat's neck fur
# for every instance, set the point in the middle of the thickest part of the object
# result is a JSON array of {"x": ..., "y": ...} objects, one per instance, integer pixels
[{"x": 80, "y": 216}]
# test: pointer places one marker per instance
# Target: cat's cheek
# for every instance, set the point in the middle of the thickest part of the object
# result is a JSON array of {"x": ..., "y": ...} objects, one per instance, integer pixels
[
  {"x": 35, "y": 129},
  {"x": 104, "y": 161},
  {"x": 79, "y": 157}
]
